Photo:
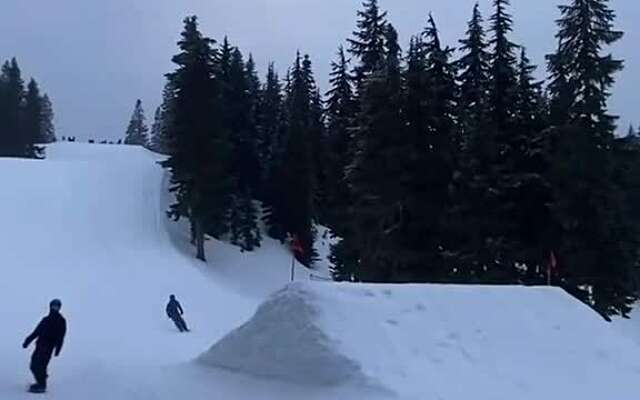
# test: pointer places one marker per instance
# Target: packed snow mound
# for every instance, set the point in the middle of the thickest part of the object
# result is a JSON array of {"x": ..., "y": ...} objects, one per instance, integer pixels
[
  {"x": 435, "y": 342},
  {"x": 284, "y": 340}
]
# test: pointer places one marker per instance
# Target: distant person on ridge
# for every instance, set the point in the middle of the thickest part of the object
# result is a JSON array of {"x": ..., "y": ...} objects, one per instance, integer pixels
[
  {"x": 50, "y": 334},
  {"x": 174, "y": 311}
]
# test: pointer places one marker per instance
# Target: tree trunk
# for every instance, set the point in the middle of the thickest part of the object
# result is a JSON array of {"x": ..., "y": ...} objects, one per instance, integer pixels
[
  {"x": 193, "y": 232},
  {"x": 199, "y": 237}
]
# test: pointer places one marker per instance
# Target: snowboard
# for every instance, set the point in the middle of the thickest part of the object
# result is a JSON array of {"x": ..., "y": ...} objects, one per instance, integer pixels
[{"x": 32, "y": 389}]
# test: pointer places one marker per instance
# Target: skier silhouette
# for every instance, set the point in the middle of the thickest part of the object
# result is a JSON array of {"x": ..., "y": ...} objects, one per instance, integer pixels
[
  {"x": 174, "y": 312},
  {"x": 50, "y": 334}
]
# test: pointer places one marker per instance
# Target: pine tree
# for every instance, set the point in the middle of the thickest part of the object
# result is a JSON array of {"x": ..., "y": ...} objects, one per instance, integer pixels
[
  {"x": 12, "y": 141},
  {"x": 269, "y": 118},
  {"x": 47, "y": 128},
  {"x": 10, "y": 109},
  {"x": 254, "y": 92},
  {"x": 503, "y": 67},
  {"x": 626, "y": 174},
  {"x": 432, "y": 174},
  {"x": 476, "y": 142},
  {"x": 441, "y": 75},
  {"x": 319, "y": 143},
  {"x": 367, "y": 251},
  {"x": 162, "y": 123},
  {"x": 526, "y": 182},
  {"x": 588, "y": 202},
  {"x": 137, "y": 129},
  {"x": 269, "y": 126},
  {"x": 156, "y": 131},
  {"x": 272, "y": 128},
  {"x": 239, "y": 121},
  {"x": 341, "y": 112},
  {"x": 422, "y": 163},
  {"x": 369, "y": 40},
  {"x": 32, "y": 119},
  {"x": 200, "y": 146},
  {"x": 292, "y": 208},
  {"x": 18, "y": 120},
  {"x": 474, "y": 80},
  {"x": 254, "y": 95},
  {"x": 483, "y": 215}
]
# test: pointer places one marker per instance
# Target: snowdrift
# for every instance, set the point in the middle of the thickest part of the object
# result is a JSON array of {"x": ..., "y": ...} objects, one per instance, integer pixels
[{"x": 435, "y": 342}]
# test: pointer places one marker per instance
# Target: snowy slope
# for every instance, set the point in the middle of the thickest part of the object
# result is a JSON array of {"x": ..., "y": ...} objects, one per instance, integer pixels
[
  {"x": 630, "y": 327},
  {"x": 436, "y": 342},
  {"x": 87, "y": 225}
]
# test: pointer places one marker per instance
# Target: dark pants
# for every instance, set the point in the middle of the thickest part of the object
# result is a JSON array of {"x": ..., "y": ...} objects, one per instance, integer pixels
[
  {"x": 180, "y": 324},
  {"x": 39, "y": 363}
]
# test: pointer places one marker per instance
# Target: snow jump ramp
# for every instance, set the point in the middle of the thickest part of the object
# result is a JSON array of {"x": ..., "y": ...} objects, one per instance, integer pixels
[{"x": 435, "y": 342}]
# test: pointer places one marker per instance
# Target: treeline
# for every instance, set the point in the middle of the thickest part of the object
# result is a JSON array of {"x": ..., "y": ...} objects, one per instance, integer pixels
[
  {"x": 26, "y": 115},
  {"x": 240, "y": 149},
  {"x": 431, "y": 165}
]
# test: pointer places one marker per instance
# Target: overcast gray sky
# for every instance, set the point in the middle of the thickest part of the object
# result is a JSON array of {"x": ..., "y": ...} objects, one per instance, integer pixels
[{"x": 95, "y": 58}]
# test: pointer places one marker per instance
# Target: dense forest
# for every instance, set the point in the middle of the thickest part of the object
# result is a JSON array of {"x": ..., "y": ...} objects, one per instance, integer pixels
[
  {"x": 436, "y": 163},
  {"x": 26, "y": 115}
]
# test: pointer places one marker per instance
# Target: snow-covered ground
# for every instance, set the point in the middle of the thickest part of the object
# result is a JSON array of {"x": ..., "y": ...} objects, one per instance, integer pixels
[
  {"x": 87, "y": 225},
  {"x": 435, "y": 342},
  {"x": 630, "y": 327}
]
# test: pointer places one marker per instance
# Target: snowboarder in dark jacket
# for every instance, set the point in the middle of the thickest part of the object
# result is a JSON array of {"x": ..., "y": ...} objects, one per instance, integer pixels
[
  {"x": 174, "y": 311},
  {"x": 50, "y": 334}
]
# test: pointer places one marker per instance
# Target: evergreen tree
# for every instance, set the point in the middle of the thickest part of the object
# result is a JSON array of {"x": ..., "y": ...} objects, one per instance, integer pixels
[
  {"x": 271, "y": 149},
  {"x": 156, "y": 131},
  {"x": 432, "y": 175},
  {"x": 319, "y": 143},
  {"x": 10, "y": 110},
  {"x": 416, "y": 91},
  {"x": 269, "y": 126},
  {"x": 162, "y": 123},
  {"x": 341, "y": 112},
  {"x": 441, "y": 107},
  {"x": 503, "y": 67},
  {"x": 254, "y": 92},
  {"x": 475, "y": 139},
  {"x": 474, "y": 80},
  {"x": 239, "y": 121},
  {"x": 588, "y": 203},
  {"x": 31, "y": 120},
  {"x": 627, "y": 176},
  {"x": 13, "y": 143},
  {"x": 269, "y": 117},
  {"x": 137, "y": 129},
  {"x": 369, "y": 40},
  {"x": 247, "y": 167},
  {"x": 292, "y": 209},
  {"x": 528, "y": 105},
  {"x": 367, "y": 251},
  {"x": 526, "y": 184},
  {"x": 18, "y": 130},
  {"x": 200, "y": 146},
  {"x": 483, "y": 216},
  {"x": 423, "y": 162},
  {"x": 47, "y": 128}
]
